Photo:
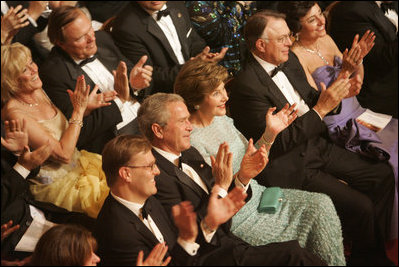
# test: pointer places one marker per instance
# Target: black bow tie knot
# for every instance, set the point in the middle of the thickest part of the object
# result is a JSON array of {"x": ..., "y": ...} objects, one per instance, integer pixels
[
  {"x": 87, "y": 60},
  {"x": 386, "y": 6},
  {"x": 145, "y": 210},
  {"x": 181, "y": 160},
  {"x": 276, "y": 70},
  {"x": 162, "y": 13}
]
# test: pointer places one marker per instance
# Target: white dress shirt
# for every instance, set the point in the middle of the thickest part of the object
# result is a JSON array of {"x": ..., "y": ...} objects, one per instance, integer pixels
[
  {"x": 169, "y": 29},
  {"x": 190, "y": 248},
  {"x": 282, "y": 82},
  {"x": 100, "y": 75}
]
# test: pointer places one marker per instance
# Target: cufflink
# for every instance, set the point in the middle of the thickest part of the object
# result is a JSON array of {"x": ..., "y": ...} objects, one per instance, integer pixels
[{"x": 179, "y": 15}]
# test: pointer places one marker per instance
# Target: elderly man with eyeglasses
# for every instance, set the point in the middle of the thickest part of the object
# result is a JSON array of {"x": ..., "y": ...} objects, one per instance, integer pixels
[{"x": 301, "y": 157}]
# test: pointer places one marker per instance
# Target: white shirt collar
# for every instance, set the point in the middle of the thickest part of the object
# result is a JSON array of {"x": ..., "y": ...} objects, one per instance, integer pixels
[
  {"x": 268, "y": 67},
  {"x": 134, "y": 207},
  {"x": 169, "y": 156}
]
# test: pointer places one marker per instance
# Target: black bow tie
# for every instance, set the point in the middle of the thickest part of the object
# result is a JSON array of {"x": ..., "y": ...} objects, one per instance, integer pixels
[
  {"x": 162, "y": 13},
  {"x": 385, "y": 6},
  {"x": 277, "y": 69},
  {"x": 181, "y": 160},
  {"x": 145, "y": 211},
  {"x": 87, "y": 60}
]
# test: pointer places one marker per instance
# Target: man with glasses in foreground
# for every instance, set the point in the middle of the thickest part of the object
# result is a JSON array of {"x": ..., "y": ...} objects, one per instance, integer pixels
[{"x": 362, "y": 190}]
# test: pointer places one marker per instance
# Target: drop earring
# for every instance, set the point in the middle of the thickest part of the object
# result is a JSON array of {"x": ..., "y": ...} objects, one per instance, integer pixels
[{"x": 196, "y": 107}]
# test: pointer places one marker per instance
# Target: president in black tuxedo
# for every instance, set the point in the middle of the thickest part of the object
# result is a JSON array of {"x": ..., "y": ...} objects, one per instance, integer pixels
[
  {"x": 163, "y": 118},
  {"x": 380, "y": 85},
  {"x": 137, "y": 31},
  {"x": 302, "y": 156},
  {"x": 16, "y": 198},
  {"x": 68, "y": 60}
]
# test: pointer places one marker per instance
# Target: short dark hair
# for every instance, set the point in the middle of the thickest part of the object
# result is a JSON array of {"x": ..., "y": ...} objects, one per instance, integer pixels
[
  {"x": 256, "y": 24},
  {"x": 294, "y": 11},
  {"x": 60, "y": 17},
  {"x": 64, "y": 245},
  {"x": 118, "y": 152},
  {"x": 196, "y": 79}
]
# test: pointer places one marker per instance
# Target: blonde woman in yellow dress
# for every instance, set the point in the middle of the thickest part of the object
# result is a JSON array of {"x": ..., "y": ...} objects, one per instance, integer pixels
[{"x": 70, "y": 179}]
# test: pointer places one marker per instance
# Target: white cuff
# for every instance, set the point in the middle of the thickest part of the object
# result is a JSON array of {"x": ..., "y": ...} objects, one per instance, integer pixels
[
  {"x": 222, "y": 192},
  {"x": 241, "y": 185},
  {"x": 24, "y": 172},
  {"x": 32, "y": 21},
  {"x": 128, "y": 111},
  {"x": 190, "y": 247}
]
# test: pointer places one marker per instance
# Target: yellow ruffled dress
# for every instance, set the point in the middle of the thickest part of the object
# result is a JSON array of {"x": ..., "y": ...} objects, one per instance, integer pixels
[{"x": 79, "y": 186}]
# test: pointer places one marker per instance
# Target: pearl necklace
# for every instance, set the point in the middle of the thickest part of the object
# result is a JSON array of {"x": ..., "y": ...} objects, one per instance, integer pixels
[
  {"x": 28, "y": 104},
  {"x": 316, "y": 52}
]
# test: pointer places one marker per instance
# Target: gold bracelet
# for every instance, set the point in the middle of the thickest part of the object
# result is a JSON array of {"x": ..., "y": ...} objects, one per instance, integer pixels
[{"x": 77, "y": 122}]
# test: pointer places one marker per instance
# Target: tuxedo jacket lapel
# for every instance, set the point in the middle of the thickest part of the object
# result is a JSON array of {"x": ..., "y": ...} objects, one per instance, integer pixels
[
  {"x": 174, "y": 171},
  {"x": 181, "y": 32},
  {"x": 384, "y": 24},
  {"x": 154, "y": 29},
  {"x": 269, "y": 87},
  {"x": 161, "y": 224}
]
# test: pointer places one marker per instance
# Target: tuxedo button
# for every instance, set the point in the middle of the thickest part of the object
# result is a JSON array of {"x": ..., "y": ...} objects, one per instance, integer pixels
[{"x": 202, "y": 165}]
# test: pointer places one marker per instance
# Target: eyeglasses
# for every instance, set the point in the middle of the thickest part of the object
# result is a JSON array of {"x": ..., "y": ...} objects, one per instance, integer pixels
[
  {"x": 281, "y": 39},
  {"x": 152, "y": 166}
]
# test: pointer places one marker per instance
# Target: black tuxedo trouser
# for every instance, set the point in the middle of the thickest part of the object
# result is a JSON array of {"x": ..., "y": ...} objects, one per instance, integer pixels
[{"x": 365, "y": 204}]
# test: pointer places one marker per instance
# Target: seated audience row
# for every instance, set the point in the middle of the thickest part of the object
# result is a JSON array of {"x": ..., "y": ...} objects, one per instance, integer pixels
[{"x": 296, "y": 98}]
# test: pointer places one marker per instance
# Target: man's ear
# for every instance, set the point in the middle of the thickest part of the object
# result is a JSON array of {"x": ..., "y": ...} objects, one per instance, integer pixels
[
  {"x": 157, "y": 130},
  {"x": 260, "y": 45},
  {"x": 124, "y": 173}
]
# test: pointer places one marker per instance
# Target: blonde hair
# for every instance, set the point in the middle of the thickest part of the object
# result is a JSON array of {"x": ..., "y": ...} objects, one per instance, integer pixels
[
  {"x": 13, "y": 62},
  {"x": 196, "y": 79}
]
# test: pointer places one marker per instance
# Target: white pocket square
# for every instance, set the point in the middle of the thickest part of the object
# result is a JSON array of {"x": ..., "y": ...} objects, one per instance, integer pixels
[{"x": 188, "y": 34}]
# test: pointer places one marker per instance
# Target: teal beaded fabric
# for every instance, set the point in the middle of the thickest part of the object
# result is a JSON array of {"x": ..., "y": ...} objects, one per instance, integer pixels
[
  {"x": 307, "y": 217},
  {"x": 220, "y": 24}
]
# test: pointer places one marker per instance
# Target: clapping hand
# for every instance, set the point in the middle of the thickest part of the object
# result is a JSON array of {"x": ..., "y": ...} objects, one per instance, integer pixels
[
  {"x": 155, "y": 258},
  {"x": 7, "y": 230},
  {"x": 222, "y": 166},
  {"x": 366, "y": 43},
  {"x": 185, "y": 220},
  {"x": 80, "y": 97},
  {"x": 220, "y": 210},
  {"x": 140, "y": 75},
  {"x": 253, "y": 162},
  {"x": 278, "y": 122},
  {"x": 355, "y": 85},
  {"x": 352, "y": 59},
  {"x": 99, "y": 100},
  {"x": 121, "y": 83},
  {"x": 211, "y": 57},
  {"x": 16, "y": 136},
  {"x": 15, "y": 19},
  {"x": 331, "y": 97}
]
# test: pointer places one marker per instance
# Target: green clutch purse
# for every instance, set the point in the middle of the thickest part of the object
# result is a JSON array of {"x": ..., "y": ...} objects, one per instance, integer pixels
[{"x": 271, "y": 199}]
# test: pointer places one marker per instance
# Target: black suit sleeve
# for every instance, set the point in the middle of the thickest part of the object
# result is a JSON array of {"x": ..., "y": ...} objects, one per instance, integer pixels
[
  {"x": 249, "y": 105},
  {"x": 351, "y": 18}
]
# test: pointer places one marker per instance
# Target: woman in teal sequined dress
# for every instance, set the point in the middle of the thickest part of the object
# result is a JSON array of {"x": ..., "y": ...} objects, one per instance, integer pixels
[{"x": 307, "y": 217}]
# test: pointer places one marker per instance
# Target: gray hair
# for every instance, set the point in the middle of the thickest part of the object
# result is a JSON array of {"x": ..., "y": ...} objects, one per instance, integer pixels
[{"x": 154, "y": 110}]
